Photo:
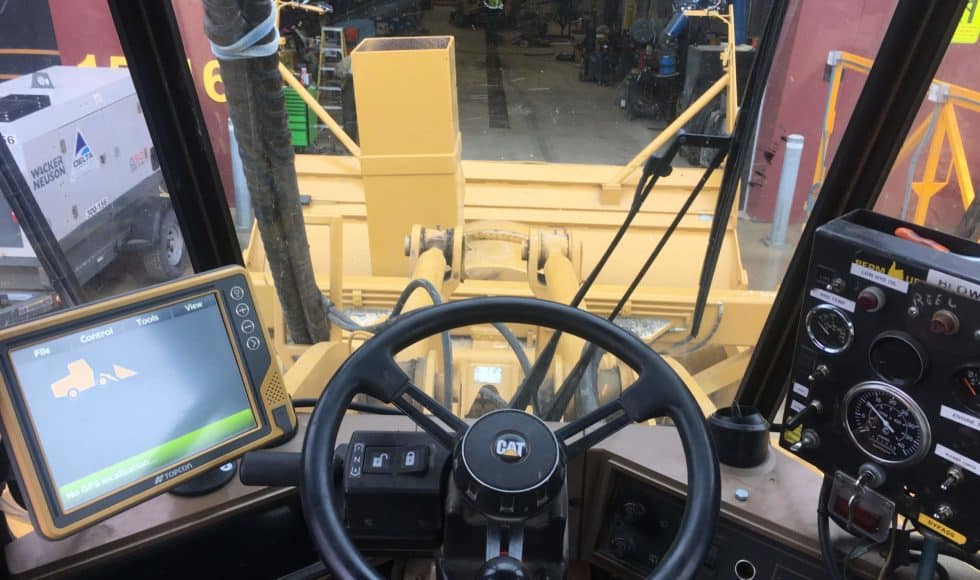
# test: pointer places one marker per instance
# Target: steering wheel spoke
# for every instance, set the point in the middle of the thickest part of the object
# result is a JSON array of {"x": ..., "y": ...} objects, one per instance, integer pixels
[
  {"x": 409, "y": 402},
  {"x": 641, "y": 401}
]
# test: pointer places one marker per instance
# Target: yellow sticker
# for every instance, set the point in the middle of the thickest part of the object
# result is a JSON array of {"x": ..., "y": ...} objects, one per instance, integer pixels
[
  {"x": 793, "y": 435},
  {"x": 968, "y": 30},
  {"x": 941, "y": 529}
]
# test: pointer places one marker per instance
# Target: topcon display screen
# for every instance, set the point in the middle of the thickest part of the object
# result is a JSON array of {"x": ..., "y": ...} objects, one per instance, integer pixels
[{"x": 132, "y": 398}]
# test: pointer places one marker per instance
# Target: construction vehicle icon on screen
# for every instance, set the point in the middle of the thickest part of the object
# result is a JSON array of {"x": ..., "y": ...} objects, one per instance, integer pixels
[{"x": 81, "y": 377}]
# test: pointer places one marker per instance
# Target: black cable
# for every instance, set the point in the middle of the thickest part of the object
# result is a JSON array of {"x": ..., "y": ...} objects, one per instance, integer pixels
[
  {"x": 350, "y": 325},
  {"x": 309, "y": 402},
  {"x": 563, "y": 395},
  {"x": 515, "y": 345},
  {"x": 950, "y": 551},
  {"x": 823, "y": 530},
  {"x": 941, "y": 570},
  {"x": 527, "y": 391}
]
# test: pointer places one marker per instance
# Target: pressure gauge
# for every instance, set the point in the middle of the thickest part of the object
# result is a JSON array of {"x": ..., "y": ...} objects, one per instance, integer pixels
[
  {"x": 967, "y": 388},
  {"x": 829, "y": 328},
  {"x": 886, "y": 424}
]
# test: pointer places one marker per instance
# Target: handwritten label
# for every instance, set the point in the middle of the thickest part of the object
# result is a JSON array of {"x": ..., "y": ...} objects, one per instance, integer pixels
[
  {"x": 961, "y": 460},
  {"x": 831, "y": 298},
  {"x": 960, "y": 417},
  {"x": 879, "y": 278},
  {"x": 953, "y": 284},
  {"x": 935, "y": 300},
  {"x": 801, "y": 390}
]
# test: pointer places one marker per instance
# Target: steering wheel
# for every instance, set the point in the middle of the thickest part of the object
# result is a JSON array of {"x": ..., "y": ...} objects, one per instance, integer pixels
[{"x": 534, "y": 463}]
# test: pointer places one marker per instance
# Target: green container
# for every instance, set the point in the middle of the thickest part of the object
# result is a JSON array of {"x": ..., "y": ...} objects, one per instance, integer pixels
[{"x": 301, "y": 119}]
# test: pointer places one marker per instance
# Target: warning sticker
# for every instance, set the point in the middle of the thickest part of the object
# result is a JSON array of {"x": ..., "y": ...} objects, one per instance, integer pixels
[
  {"x": 941, "y": 529},
  {"x": 968, "y": 30},
  {"x": 793, "y": 435}
]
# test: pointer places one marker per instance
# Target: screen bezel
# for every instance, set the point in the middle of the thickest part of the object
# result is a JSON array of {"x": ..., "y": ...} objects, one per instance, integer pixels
[
  {"x": 34, "y": 341},
  {"x": 21, "y": 443}
]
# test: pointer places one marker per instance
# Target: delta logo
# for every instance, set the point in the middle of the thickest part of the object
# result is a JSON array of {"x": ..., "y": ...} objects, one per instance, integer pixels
[{"x": 84, "y": 158}]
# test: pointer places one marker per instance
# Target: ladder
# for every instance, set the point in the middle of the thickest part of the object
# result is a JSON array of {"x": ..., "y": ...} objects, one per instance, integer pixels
[{"x": 333, "y": 48}]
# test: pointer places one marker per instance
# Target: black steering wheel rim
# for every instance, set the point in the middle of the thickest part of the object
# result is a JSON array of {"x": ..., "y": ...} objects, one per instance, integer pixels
[{"x": 371, "y": 369}]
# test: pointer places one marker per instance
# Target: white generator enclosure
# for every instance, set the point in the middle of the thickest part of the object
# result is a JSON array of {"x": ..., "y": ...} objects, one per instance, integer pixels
[{"x": 79, "y": 137}]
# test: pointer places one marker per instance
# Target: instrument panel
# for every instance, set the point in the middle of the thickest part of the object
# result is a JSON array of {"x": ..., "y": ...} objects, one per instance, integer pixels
[{"x": 886, "y": 373}]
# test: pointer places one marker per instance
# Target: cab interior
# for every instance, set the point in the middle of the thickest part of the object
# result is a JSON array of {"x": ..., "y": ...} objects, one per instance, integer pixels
[{"x": 475, "y": 369}]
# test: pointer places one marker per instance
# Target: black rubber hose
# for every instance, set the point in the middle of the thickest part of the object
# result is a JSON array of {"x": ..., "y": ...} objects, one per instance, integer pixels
[
  {"x": 950, "y": 551},
  {"x": 527, "y": 392},
  {"x": 346, "y": 323},
  {"x": 256, "y": 106},
  {"x": 515, "y": 345},
  {"x": 823, "y": 530}
]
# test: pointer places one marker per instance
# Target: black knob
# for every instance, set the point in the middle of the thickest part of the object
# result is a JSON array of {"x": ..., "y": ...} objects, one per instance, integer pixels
[
  {"x": 503, "y": 568},
  {"x": 633, "y": 511},
  {"x": 621, "y": 547},
  {"x": 741, "y": 436},
  {"x": 509, "y": 465},
  {"x": 814, "y": 407}
]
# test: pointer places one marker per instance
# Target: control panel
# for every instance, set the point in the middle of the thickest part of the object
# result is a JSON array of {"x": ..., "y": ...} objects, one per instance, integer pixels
[
  {"x": 643, "y": 521},
  {"x": 393, "y": 489},
  {"x": 886, "y": 373}
]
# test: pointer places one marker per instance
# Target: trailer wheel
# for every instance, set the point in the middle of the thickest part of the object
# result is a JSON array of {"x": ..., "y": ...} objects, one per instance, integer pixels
[{"x": 167, "y": 258}]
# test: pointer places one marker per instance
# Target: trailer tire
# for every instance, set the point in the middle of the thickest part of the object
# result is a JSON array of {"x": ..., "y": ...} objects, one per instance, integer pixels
[{"x": 166, "y": 258}]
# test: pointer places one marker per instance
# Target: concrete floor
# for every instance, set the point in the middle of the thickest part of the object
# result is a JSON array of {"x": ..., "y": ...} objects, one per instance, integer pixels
[
  {"x": 522, "y": 104},
  {"x": 550, "y": 114}
]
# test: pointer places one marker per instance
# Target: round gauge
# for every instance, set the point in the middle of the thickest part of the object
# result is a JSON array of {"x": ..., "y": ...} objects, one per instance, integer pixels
[
  {"x": 967, "y": 388},
  {"x": 886, "y": 424},
  {"x": 897, "y": 358},
  {"x": 829, "y": 328}
]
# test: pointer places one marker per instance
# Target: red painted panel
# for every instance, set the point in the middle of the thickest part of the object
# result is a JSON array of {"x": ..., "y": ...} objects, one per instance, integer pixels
[
  {"x": 796, "y": 101},
  {"x": 796, "y": 98},
  {"x": 86, "y": 35}
]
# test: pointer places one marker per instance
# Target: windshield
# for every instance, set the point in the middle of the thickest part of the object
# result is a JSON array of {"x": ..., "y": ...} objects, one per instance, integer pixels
[{"x": 482, "y": 148}]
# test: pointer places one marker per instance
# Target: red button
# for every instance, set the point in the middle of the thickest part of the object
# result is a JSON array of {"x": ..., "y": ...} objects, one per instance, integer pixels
[{"x": 871, "y": 299}]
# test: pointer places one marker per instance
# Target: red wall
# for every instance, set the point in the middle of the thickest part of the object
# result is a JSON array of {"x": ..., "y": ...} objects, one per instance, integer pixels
[
  {"x": 86, "y": 35},
  {"x": 796, "y": 101}
]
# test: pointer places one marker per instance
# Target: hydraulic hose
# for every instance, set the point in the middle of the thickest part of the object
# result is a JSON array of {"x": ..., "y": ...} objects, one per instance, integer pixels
[{"x": 256, "y": 105}]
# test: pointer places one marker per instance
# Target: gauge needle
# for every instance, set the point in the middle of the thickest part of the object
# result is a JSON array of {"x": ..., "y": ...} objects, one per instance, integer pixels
[
  {"x": 823, "y": 327},
  {"x": 884, "y": 422},
  {"x": 966, "y": 383}
]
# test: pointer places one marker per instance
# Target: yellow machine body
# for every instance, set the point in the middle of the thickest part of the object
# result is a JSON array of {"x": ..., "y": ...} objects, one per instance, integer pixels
[{"x": 404, "y": 205}]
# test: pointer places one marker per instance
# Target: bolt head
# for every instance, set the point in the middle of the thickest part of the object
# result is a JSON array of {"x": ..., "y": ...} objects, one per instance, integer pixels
[
  {"x": 742, "y": 494},
  {"x": 912, "y": 311}
]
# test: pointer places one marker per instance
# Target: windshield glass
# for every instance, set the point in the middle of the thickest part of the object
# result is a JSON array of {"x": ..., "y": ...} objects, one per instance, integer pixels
[
  {"x": 485, "y": 148},
  {"x": 85, "y": 212}
]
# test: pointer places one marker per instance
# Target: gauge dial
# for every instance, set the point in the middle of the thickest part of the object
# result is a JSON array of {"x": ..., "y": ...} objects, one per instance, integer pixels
[
  {"x": 829, "y": 328},
  {"x": 967, "y": 388},
  {"x": 897, "y": 358},
  {"x": 886, "y": 424}
]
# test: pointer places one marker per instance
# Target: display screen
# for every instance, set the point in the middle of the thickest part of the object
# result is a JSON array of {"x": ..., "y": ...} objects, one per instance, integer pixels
[{"x": 125, "y": 400}]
